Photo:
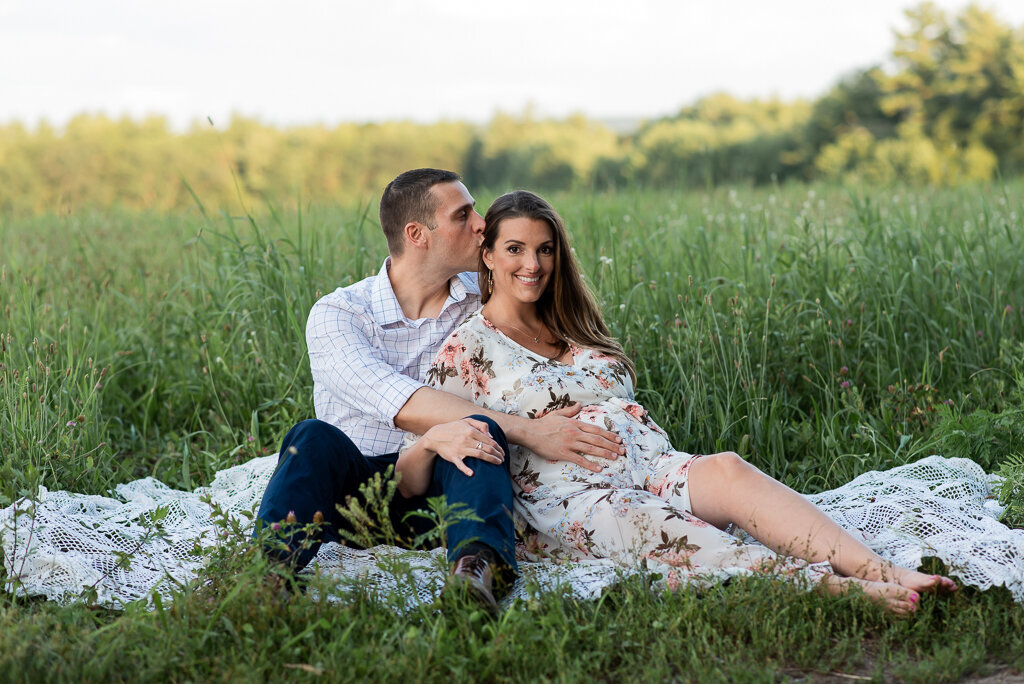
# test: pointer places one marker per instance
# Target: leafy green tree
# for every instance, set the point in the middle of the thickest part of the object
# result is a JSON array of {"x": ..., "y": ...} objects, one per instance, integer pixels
[{"x": 959, "y": 83}]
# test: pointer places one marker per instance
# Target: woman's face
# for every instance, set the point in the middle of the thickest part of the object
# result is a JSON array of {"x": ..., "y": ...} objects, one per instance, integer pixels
[{"x": 522, "y": 260}]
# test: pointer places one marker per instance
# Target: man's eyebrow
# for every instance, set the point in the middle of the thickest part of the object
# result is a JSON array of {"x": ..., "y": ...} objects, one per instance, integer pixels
[{"x": 467, "y": 207}]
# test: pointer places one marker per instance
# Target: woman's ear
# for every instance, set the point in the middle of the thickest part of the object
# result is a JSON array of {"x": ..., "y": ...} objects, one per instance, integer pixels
[{"x": 487, "y": 255}]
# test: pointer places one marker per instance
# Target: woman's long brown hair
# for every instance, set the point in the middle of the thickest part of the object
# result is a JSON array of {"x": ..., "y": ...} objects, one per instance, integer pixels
[{"x": 567, "y": 307}]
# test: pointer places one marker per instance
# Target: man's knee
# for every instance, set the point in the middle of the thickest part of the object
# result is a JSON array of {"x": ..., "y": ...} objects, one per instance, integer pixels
[
  {"x": 482, "y": 470},
  {"x": 313, "y": 430},
  {"x": 485, "y": 468},
  {"x": 315, "y": 434},
  {"x": 492, "y": 427},
  {"x": 317, "y": 443}
]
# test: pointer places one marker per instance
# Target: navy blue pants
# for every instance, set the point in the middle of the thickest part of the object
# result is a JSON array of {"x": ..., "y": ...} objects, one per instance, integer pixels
[{"x": 319, "y": 467}]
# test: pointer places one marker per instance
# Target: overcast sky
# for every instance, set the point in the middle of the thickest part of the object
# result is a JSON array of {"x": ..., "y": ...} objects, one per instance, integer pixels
[{"x": 309, "y": 61}]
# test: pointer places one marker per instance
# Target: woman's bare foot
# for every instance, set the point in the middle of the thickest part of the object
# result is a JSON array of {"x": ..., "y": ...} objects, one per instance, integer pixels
[
  {"x": 894, "y": 597},
  {"x": 883, "y": 571},
  {"x": 922, "y": 583}
]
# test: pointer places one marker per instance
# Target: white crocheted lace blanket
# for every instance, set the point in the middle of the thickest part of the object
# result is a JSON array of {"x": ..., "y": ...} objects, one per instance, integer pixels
[{"x": 152, "y": 538}]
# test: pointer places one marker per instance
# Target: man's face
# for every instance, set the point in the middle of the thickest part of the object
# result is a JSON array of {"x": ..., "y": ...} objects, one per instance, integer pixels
[{"x": 459, "y": 228}]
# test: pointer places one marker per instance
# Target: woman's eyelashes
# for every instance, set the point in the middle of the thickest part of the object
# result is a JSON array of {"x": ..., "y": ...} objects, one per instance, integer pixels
[{"x": 545, "y": 250}]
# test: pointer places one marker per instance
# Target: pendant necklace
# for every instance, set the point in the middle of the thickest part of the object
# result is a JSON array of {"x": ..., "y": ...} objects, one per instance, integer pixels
[{"x": 535, "y": 338}]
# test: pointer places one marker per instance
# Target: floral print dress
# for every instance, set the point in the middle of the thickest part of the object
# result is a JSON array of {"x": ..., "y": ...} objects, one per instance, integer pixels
[{"x": 637, "y": 509}]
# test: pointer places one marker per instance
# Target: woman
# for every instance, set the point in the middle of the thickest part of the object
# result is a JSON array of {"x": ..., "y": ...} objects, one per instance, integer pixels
[{"x": 538, "y": 344}]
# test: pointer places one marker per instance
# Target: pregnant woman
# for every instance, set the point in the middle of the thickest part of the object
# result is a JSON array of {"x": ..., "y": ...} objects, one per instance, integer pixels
[{"x": 538, "y": 344}]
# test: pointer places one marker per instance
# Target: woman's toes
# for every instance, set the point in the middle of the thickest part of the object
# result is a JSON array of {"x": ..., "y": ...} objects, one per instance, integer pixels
[
  {"x": 893, "y": 597},
  {"x": 918, "y": 581}
]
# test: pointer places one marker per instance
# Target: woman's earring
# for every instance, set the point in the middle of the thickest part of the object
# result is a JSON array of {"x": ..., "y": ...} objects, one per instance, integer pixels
[{"x": 490, "y": 282}]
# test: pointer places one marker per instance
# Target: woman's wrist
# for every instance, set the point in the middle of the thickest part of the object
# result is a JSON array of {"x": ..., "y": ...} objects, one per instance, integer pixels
[
  {"x": 413, "y": 465},
  {"x": 425, "y": 445}
]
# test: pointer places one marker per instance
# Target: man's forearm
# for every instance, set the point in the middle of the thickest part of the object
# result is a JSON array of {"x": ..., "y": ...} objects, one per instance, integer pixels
[
  {"x": 558, "y": 436},
  {"x": 428, "y": 407}
]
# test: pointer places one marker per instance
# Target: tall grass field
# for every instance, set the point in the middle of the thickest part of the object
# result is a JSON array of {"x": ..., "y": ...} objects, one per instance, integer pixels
[{"x": 820, "y": 332}]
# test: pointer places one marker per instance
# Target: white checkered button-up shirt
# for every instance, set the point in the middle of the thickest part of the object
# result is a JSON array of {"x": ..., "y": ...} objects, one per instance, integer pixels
[{"x": 367, "y": 358}]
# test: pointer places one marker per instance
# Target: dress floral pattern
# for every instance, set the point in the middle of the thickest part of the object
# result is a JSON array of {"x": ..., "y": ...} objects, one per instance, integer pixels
[{"x": 637, "y": 509}]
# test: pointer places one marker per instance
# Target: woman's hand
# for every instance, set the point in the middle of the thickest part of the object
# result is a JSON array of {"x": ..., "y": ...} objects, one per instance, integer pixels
[
  {"x": 559, "y": 436},
  {"x": 462, "y": 439}
]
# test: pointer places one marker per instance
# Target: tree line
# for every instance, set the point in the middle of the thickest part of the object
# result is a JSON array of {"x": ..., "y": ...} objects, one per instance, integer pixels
[{"x": 947, "y": 107}]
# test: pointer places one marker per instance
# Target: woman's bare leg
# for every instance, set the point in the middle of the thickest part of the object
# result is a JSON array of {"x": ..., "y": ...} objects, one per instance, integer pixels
[{"x": 725, "y": 489}]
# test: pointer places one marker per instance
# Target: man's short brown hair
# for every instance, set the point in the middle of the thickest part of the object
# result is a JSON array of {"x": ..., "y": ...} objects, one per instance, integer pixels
[{"x": 408, "y": 198}]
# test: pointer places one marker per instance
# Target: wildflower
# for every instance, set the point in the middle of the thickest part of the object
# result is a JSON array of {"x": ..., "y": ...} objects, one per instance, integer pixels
[
  {"x": 980, "y": 334},
  {"x": 70, "y": 423},
  {"x": 290, "y": 518},
  {"x": 251, "y": 438},
  {"x": 318, "y": 518},
  {"x": 844, "y": 370},
  {"x": 607, "y": 261},
  {"x": 845, "y": 384},
  {"x": 1008, "y": 309}
]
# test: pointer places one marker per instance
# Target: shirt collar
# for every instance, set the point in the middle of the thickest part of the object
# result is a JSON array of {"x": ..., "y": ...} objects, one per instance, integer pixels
[
  {"x": 457, "y": 291},
  {"x": 385, "y": 306}
]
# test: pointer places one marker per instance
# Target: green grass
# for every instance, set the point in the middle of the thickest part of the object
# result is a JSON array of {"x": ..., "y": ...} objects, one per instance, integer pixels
[{"x": 820, "y": 332}]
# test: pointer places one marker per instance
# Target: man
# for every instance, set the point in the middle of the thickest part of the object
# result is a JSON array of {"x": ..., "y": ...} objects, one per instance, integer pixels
[{"x": 370, "y": 345}]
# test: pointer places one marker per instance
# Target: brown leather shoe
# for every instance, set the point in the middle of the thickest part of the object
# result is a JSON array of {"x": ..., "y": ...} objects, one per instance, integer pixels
[{"x": 472, "y": 575}]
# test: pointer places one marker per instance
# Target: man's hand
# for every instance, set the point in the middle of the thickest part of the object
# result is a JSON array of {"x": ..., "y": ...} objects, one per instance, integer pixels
[
  {"x": 559, "y": 436},
  {"x": 462, "y": 439}
]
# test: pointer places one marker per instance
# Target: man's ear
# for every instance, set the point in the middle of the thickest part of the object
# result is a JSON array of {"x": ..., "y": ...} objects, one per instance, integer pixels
[{"x": 416, "y": 234}]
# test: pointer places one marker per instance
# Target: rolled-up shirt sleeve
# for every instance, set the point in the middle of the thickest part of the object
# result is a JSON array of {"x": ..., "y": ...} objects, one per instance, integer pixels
[{"x": 346, "y": 363}]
